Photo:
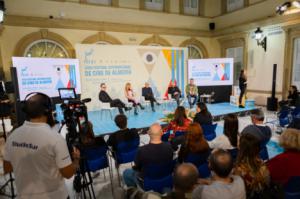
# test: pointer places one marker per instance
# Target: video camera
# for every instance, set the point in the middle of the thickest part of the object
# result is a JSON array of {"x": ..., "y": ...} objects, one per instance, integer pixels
[{"x": 75, "y": 115}]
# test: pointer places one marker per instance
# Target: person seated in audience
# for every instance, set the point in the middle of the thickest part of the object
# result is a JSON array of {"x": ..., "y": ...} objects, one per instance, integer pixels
[
  {"x": 184, "y": 181},
  {"x": 123, "y": 135},
  {"x": 148, "y": 94},
  {"x": 262, "y": 132},
  {"x": 129, "y": 94},
  {"x": 286, "y": 164},
  {"x": 249, "y": 165},
  {"x": 156, "y": 152},
  {"x": 229, "y": 138},
  {"x": 203, "y": 116},
  {"x": 104, "y": 97},
  {"x": 175, "y": 92},
  {"x": 292, "y": 98},
  {"x": 191, "y": 92},
  {"x": 88, "y": 138},
  {"x": 195, "y": 143},
  {"x": 179, "y": 123},
  {"x": 222, "y": 184}
]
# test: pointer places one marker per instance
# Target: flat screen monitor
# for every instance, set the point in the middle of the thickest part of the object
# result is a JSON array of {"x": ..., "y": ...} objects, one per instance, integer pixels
[{"x": 67, "y": 93}]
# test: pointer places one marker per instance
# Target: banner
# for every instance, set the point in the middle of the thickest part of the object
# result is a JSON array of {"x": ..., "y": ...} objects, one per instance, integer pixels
[
  {"x": 46, "y": 75},
  {"x": 211, "y": 72},
  {"x": 116, "y": 65}
]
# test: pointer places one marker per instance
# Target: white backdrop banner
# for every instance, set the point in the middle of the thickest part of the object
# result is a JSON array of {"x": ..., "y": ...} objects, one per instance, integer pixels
[
  {"x": 46, "y": 75},
  {"x": 116, "y": 65}
]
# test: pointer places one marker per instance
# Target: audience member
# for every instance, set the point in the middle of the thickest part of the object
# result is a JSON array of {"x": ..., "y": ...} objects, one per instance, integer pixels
[
  {"x": 88, "y": 138},
  {"x": 184, "y": 180},
  {"x": 148, "y": 94},
  {"x": 179, "y": 123},
  {"x": 156, "y": 152},
  {"x": 222, "y": 184},
  {"x": 228, "y": 140},
  {"x": 293, "y": 95},
  {"x": 175, "y": 92},
  {"x": 262, "y": 132},
  {"x": 122, "y": 135},
  {"x": 195, "y": 143},
  {"x": 250, "y": 167},
  {"x": 129, "y": 94},
  {"x": 104, "y": 97},
  {"x": 286, "y": 164},
  {"x": 38, "y": 155},
  {"x": 203, "y": 116},
  {"x": 191, "y": 92}
]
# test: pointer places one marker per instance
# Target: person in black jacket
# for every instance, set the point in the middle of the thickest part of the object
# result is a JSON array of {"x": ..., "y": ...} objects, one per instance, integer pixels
[
  {"x": 293, "y": 95},
  {"x": 104, "y": 97},
  {"x": 175, "y": 92},
  {"x": 243, "y": 86},
  {"x": 148, "y": 94},
  {"x": 203, "y": 116}
]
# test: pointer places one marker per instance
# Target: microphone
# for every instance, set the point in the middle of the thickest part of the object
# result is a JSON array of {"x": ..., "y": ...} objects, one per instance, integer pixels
[{"x": 86, "y": 100}]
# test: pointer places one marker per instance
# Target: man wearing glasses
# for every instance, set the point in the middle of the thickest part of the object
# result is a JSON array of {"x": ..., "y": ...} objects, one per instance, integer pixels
[{"x": 104, "y": 97}]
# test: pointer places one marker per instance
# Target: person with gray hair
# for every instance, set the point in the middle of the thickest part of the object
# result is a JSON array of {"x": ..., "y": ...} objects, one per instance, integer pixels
[
  {"x": 222, "y": 184},
  {"x": 286, "y": 165},
  {"x": 156, "y": 152}
]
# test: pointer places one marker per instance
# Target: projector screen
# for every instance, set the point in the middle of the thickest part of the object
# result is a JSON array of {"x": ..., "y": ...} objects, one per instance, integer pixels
[
  {"x": 211, "y": 72},
  {"x": 46, "y": 75}
]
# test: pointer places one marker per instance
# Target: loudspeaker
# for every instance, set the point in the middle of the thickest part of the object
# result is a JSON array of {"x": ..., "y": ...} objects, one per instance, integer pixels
[
  {"x": 212, "y": 26},
  {"x": 272, "y": 101}
]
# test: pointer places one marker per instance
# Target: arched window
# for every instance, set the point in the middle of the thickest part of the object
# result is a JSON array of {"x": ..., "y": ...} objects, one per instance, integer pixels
[
  {"x": 155, "y": 40},
  {"x": 194, "y": 52},
  {"x": 101, "y": 38},
  {"x": 196, "y": 49}
]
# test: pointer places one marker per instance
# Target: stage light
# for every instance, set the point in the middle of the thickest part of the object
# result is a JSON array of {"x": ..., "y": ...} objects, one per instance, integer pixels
[
  {"x": 259, "y": 38},
  {"x": 2, "y": 10}
]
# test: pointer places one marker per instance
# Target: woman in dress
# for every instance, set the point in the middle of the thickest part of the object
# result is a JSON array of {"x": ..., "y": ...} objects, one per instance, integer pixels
[{"x": 129, "y": 94}]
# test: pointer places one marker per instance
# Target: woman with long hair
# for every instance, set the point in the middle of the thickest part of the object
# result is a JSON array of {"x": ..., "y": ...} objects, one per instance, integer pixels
[
  {"x": 195, "y": 143},
  {"x": 228, "y": 140},
  {"x": 180, "y": 121},
  {"x": 203, "y": 116},
  {"x": 129, "y": 94},
  {"x": 243, "y": 86},
  {"x": 250, "y": 167}
]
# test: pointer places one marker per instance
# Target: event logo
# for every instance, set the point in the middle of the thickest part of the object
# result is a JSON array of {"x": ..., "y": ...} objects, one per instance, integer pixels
[
  {"x": 68, "y": 79},
  {"x": 222, "y": 72},
  {"x": 149, "y": 57},
  {"x": 87, "y": 57},
  {"x": 24, "y": 72}
]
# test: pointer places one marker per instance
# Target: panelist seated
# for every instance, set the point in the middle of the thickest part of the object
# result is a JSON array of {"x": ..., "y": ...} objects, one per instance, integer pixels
[
  {"x": 175, "y": 92},
  {"x": 148, "y": 94},
  {"x": 104, "y": 97},
  {"x": 130, "y": 95},
  {"x": 191, "y": 93}
]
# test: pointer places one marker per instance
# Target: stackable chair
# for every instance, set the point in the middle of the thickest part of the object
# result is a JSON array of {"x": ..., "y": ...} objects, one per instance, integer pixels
[
  {"x": 200, "y": 161},
  {"x": 145, "y": 103},
  {"x": 284, "y": 117},
  {"x": 105, "y": 107},
  {"x": 292, "y": 188},
  {"x": 209, "y": 131}
]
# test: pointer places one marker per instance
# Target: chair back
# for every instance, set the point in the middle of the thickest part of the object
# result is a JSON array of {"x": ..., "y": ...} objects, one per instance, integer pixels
[
  {"x": 127, "y": 150},
  {"x": 179, "y": 133},
  {"x": 292, "y": 188},
  {"x": 296, "y": 112},
  {"x": 209, "y": 131},
  {"x": 96, "y": 158},
  {"x": 104, "y": 105},
  {"x": 204, "y": 171},
  {"x": 165, "y": 137},
  {"x": 200, "y": 161},
  {"x": 284, "y": 117},
  {"x": 263, "y": 153},
  {"x": 233, "y": 153}
]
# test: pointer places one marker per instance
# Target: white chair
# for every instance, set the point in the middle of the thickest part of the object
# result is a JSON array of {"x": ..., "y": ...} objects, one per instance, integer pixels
[
  {"x": 105, "y": 107},
  {"x": 144, "y": 102}
]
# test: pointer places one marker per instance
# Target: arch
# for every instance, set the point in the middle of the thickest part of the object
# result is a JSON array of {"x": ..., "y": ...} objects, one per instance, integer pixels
[
  {"x": 155, "y": 39},
  {"x": 101, "y": 36},
  {"x": 197, "y": 43},
  {"x": 39, "y": 35}
]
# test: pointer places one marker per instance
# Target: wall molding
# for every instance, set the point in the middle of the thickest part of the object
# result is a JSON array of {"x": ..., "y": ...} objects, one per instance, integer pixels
[
  {"x": 156, "y": 39},
  {"x": 101, "y": 36}
]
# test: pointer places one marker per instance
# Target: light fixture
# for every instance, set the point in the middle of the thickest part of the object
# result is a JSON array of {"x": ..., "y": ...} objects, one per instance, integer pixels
[
  {"x": 259, "y": 38},
  {"x": 289, "y": 7},
  {"x": 2, "y": 10}
]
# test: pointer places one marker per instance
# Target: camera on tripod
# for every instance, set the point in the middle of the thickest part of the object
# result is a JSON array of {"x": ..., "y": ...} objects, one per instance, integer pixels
[{"x": 75, "y": 116}]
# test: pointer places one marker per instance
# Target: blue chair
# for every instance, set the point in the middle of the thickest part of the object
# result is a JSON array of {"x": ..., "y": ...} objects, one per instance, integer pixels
[
  {"x": 284, "y": 117},
  {"x": 209, "y": 131},
  {"x": 158, "y": 177},
  {"x": 233, "y": 153},
  {"x": 165, "y": 137},
  {"x": 263, "y": 153},
  {"x": 292, "y": 188},
  {"x": 200, "y": 161},
  {"x": 296, "y": 113},
  {"x": 179, "y": 133}
]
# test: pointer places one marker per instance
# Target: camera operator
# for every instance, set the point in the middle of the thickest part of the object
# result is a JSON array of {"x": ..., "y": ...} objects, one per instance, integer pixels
[{"x": 38, "y": 155}]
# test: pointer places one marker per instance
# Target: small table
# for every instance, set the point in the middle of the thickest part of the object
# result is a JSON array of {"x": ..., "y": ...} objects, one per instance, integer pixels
[{"x": 205, "y": 97}]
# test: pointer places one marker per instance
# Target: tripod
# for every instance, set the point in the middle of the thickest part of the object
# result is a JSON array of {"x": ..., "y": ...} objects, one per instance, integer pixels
[{"x": 5, "y": 112}]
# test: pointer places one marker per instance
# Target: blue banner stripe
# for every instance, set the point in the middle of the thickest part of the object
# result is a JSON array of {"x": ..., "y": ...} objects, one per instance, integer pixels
[
  {"x": 182, "y": 73},
  {"x": 177, "y": 68},
  {"x": 172, "y": 63}
]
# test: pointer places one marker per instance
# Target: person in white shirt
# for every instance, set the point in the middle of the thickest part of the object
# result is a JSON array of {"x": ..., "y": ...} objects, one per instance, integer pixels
[
  {"x": 38, "y": 155},
  {"x": 228, "y": 140}
]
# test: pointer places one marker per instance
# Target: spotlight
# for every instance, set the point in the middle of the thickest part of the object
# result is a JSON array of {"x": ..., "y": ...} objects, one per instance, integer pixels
[
  {"x": 2, "y": 10},
  {"x": 258, "y": 36}
]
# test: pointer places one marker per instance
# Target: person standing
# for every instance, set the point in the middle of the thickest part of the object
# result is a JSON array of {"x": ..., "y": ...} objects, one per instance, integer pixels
[
  {"x": 148, "y": 94},
  {"x": 191, "y": 92},
  {"x": 129, "y": 94},
  {"x": 243, "y": 86},
  {"x": 104, "y": 97}
]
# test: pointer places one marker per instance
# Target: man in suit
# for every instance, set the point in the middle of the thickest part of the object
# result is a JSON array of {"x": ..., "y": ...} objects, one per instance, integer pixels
[
  {"x": 175, "y": 92},
  {"x": 148, "y": 94},
  {"x": 104, "y": 97}
]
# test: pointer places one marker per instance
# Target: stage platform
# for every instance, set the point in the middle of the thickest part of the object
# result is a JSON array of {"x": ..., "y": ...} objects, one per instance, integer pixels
[{"x": 104, "y": 124}]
